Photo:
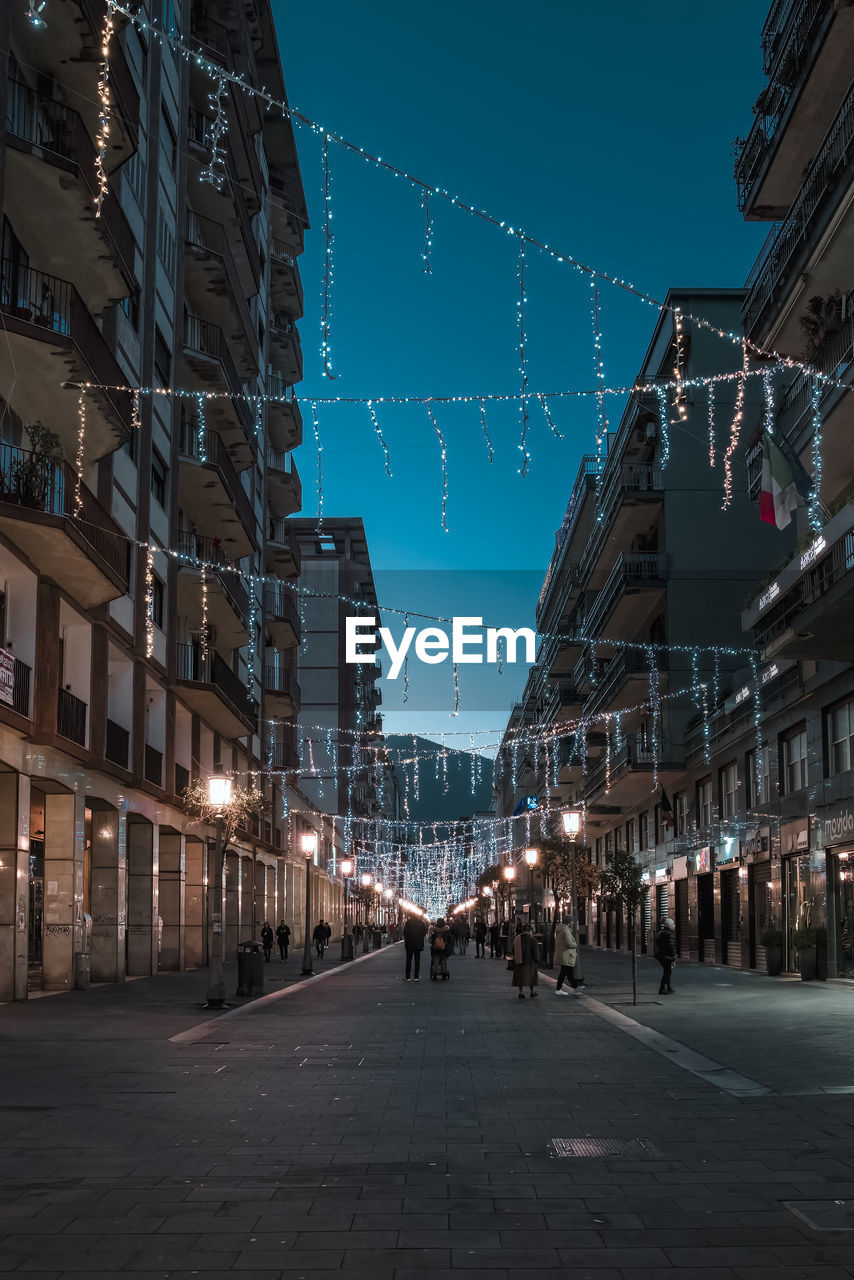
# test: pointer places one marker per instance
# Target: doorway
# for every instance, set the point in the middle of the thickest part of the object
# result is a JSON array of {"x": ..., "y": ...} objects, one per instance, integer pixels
[
  {"x": 706, "y": 916},
  {"x": 760, "y": 910},
  {"x": 35, "y": 948},
  {"x": 730, "y": 912},
  {"x": 682, "y": 922},
  {"x": 840, "y": 916}
]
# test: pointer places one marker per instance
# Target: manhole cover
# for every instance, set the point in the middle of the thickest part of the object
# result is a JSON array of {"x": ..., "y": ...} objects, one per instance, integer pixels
[
  {"x": 824, "y": 1215},
  {"x": 619, "y": 1148}
]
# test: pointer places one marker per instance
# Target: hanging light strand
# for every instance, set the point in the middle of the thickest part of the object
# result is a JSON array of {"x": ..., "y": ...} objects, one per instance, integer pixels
[
  {"x": 79, "y": 459},
  {"x": 599, "y": 374},
  {"x": 214, "y": 171},
  {"x": 710, "y": 409},
  {"x": 558, "y": 435},
  {"x": 380, "y": 437},
  {"x": 485, "y": 429},
  {"x": 523, "y": 361},
  {"x": 444, "y": 449},
  {"x": 428, "y": 232},
  {"x": 735, "y": 432},
  {"x": 815, "y": 513},
  {"x": 102, "y": 137},
  {"x": 316, "y": 428},
  {"x": 326, "y": 312}
]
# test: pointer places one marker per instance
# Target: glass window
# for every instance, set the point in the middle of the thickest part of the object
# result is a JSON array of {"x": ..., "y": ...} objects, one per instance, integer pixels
[
  {"x": 680, "y": 807},
  {"x": 795, "y": 760},
  {"x": 643, "y": 831},
  {"x": 756, "y": 788},
  {"x": 729, "y": 789},
  {"x": 840, "y": 730},
  {"x": 630, "y": 835},
  {"x": 157, "y": 597},
  {"x": 158, "y": 479},
  {"x": 704, "y": 802},
  {"x": 598, "y": 851}
]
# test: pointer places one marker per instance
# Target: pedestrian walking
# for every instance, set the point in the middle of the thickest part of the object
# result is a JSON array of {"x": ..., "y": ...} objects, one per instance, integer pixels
[
  {"x": 319, "y": 938},
  {"x": 414, "y": 933},
  {"x": 440, "y": 949},
  {"x": 327, "y": 929},
  {"x": 525, "y": 957},
  {"x": 267, "y": 941},
  {"x": 665, "y": 954},
  {"x": 480, "y": 938},
  {"x": 505, "y": 939},
  {"x": 494, "y": 940},
  {"x": 283, "y": 939},
  {"x": 566, "y": 956},
  {"x": 462, "y": 933}
]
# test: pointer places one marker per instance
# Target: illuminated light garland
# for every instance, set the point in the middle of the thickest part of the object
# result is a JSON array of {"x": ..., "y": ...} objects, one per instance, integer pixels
[
  {"x": 214, "y": 171},
  {"x": 35, "y": 9},
  {"x": 135, "y": 415},
  {"x": 102, "y": 137},
  {"x": 326, "y": 311},
  {"x": 815, "y": 514},
  {"x": 201, "y": 428},
  {"x": 252, "y": 648},
  {"x": 379, "y": 434},
  {"x": 558, "y": 435},
  {"x": 444, "y": 449},
  {"x": 599, "y": 374},
  {"x": 405, "y": 695},
  {"x": 485, "y": 429},
  {"x": 768, "y": 410},
  {"x": 456, "y": 710},
  {"x": 203, "y": 638},
  {"x": 428, "y": 232},
  {"x": 710, "y": 392},
  {"x": 523, "y": 360},
  {"x": 78, "y": 461},
  {"x": 316, "y": 428},
  {"x": 757, "y": 722},
  {"x": 716, "y": 679},
  {"x": 735, "y": 433},
  {"x": 664, "y": 425},
  {"x": 149, "y": 600},
  {"x": 655, "y": 711},
  {"x": 259, "y": 418},
  {"x": 607, "y": 757},
  {"x": 680, "y": 399}
]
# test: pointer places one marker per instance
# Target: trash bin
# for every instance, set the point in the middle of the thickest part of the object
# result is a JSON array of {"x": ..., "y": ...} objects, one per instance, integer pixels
[
  {"x": 347, "y": 946},
  {"x": 82, "y": 970},
  {"x": 250, "y": 969},
  {"x": 378, "y": 939}
]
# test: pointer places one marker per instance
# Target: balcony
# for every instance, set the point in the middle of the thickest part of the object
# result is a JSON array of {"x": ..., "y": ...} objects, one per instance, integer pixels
[
  {"x": 558, "y": 654},
  {"x": 212, "y": 496},
  {"x": 281, "y": 751},
  {"x": 809, "y": 252},
  {"x": 284, "y": 420},
  {"x": 212, "y": 36},
  {"x": 213, "y": 285},
  {"x": 50, "y": 182},
  {"x": 807, "y": 48},
  {"x": 554, "y": 593},
  {"x": 629, "y": 503},
  {"x": 117, "y": 748},
  {"x": 285, "y": 349},
  {"x": 153, "y": 765},
  {"x": 229, "y": 205},
  {"x": 807, "y": 610},
  {"x": 50, "y": 337},
  {"x": 288, "y": 215},
  {"x": 281, "y": 617},
  {"x": 70, "y": 56},
  {"x": 284, "y": 489},
  {"x": 283, "y": 556},
  {"x": 630, "y": 772},
  {"x": 281, "y": 691},
  {"x": 228, "y": 599},
  {"x": 209, "y": 687},
  {"x": 86, "y": 552},
  {"x": 19, "y": 693},
  {"x": 207, "y": 357},
  {"x": 621, "y": 681},
  {"x": 285, "y": 282},
  {"x": 631, "y": 595},
  {"x": 71, "y": 717}
]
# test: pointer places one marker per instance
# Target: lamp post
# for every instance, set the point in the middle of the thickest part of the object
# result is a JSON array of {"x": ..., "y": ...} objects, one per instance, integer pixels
[
  {"x": 509, "y": 877},
  {"x": 346, "y": 871},
  {"x": 572, "y": 828},
  {"x": 219, "y": 797},
  {"x": 367, "y": 881},
  {"x": 309, "y": 848},
  {"x": 531, "y": 858}
]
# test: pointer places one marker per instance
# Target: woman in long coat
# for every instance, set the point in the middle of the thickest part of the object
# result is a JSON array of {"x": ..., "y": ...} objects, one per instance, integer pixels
[{"x": 525, "y": 957}]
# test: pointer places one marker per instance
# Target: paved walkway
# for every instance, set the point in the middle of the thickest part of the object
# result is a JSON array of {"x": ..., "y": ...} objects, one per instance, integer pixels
[{"x": 360, "y": 1125}]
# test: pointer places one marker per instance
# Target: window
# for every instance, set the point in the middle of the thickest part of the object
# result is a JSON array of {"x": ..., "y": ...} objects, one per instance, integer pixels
[
  {"x": 158, "y": 593},
  {"x": 609, "y": 844},
  {"x": 598, "y": 851},
  {"x": 130, "y": 306},
  {"x": 704, "y": 802},
  {"x": 643, "y": 831},
  {"x": 729, "y": 789},
  {"x": 618, "y": 839},
  {"x": 795, "y": 759},
  {"x": 162, "y": 359},
  {"x": 165, "y": 244},
  {"x": 680, "y": 812},
  {"x": 158, "y": 479},
  {"x": 840, "y": 732},
  {"x": 630, "y": 835},
  {"x": 168, "y": 140},
  {"x": 755, "y": 788},
  {"x": 133, "y": 170},
  {"x": 657, "y": 824}
]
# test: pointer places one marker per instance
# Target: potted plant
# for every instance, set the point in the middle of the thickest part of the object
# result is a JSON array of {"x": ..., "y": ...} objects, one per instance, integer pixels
[
  {"x": 772, "y": 941},
  {"x": 821, "y": 953},
  {"x": 804, "y": 942}
]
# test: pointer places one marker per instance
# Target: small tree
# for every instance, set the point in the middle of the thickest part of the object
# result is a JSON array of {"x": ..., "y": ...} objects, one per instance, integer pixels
[
  {"x": 622, "y": 882},
  {"x": 558, "y": 857}
]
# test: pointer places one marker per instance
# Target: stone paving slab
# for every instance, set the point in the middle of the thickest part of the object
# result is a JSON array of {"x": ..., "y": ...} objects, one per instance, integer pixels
[{"x": 364, "y": 1127}]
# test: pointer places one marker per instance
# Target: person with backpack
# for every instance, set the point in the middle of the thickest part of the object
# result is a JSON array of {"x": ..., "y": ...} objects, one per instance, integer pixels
[
  {"x": 414, "y": 933},
  {"x": 283, "y": 939},
  {"x": 267, "y": 941},
  {"x": 440, "y": 949},
  {"x": 665, "y": 954}
]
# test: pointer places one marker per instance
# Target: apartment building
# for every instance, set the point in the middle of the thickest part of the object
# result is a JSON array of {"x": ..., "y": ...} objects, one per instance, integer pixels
[{"x": 129, "y": 672}]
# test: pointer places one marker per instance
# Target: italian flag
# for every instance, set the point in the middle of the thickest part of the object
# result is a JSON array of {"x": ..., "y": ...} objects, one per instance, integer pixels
[{"x": 779, "y": 495}]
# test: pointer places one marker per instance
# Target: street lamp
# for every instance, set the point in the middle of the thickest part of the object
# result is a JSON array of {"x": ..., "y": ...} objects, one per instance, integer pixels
[
  {"x": 219, "y": 797},
  {"x": 309, "y": 848},
  {"x": 346, "y": 871},
  {"x": 509, "y": 876},
  {"x": 572, "y": 828},
  {"x": 531, "y": 857}
]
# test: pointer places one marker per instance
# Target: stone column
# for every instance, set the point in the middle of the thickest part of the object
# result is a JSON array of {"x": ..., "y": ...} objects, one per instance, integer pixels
[
  {"x": 171, "y": 899},
  {"x": 232, "y": 935},
  {"x": 107, "y": 897},
  {"x": 195, "y": 950},
  {"x": 14, "y": 884},
  {"x": 63, "y": 889},
  {"x": 142, "y": 881},
  {"x": 263, "y": 902},
  {"x": 250, "y": 904}
]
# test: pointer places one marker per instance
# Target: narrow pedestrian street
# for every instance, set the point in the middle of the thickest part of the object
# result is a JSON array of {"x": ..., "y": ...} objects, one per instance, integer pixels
[{"x": 358, "y": 1124}]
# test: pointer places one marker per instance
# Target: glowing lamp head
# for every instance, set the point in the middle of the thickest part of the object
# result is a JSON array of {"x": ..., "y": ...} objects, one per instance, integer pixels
[
  {"x": 309, "y": 843},
  {"x": 531, "y": 856},
  {"x": 366, "y": 879},
  {"x": 572, "y": 822},
  {"x": 347, "y": 867},
  {"x": 378, "y": 887},
  {"x": 389, "y": 893},
  {"x": 509, "y": 873},
  {"x": 219, "y": 792}
]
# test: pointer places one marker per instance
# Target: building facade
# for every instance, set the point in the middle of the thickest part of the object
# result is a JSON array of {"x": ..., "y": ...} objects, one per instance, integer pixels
[{"x": 148, "y": 632}]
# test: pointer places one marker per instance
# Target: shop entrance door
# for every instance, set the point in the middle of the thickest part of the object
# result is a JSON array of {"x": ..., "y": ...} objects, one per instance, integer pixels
[
  {"x": 761, "y": 915},
  {"x": 35, "y": 949},
  {"x": 805, "y": 897},
  {"x": 706, "y": 916},
  {"x": 730, "y": 944},
  {"x": 840, "y": 916},
  {"x": 682, "y": 930}
]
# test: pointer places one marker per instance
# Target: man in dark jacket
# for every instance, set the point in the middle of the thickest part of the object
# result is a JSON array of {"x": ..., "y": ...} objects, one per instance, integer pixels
[
  {"x": 480, "y": 937},
  {"x": 319, "y": 938},
  {"x": 414, "y": 933},
  {"x": 494, "y": 940},
  {"x": 267, "y": 941},
  {"x": 665, "y": 953},
  {"x": 283, "y": 938}
]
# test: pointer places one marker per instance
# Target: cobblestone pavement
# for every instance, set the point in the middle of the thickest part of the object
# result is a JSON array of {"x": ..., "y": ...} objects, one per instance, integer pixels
[{"x": 358, "y": 1124}]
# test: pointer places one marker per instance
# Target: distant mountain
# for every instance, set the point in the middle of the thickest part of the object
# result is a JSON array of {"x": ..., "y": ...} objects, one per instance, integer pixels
[{"x": 461, "y": 799}]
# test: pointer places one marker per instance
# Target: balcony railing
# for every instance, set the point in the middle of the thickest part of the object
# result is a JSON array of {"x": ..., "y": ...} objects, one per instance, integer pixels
[
  {"x": 279, "y": 532},
  {"x": 199, "y": 133},
  {"x": 212, "y": 34},
  {"x": 795, "y": 232},
  {"x": 587, "y": 472},
  {"x": 71, "y": 717},
  {"x": 118, "y": 744},
  {"x": 280, "y": 251},
  {"x": 279, "y": 604},
  {"x": 153, "y": 765},
  {"x": 619, "y": 482},
  {"x": 40, "y": 484},
  {"x": 278, "y": 389},
  {"x": 55, "y": 128},
  {"x": 281, "y": 680},
  {"x": 208, "y": 449},
  {"x": 212, "y": 670},
  {"x": 642, "y": 566},
  {"x": 209, "y": 237},
  {"x": 208, "y": 340},
  {"x": 21, "y": 688},
  {"x": 814, "y": 583},
  {"x": 208, "y": 551}
]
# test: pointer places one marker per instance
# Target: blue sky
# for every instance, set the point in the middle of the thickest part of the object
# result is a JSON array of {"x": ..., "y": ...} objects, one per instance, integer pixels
[{"x": 605, "y": 130}]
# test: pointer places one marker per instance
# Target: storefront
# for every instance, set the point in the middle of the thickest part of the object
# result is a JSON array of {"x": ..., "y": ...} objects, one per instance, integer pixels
[
  {"x": 835, "y": 833},
  {"x": 703, "y": 872},
  {"x": 756, "y": 856},
  {"x": 804, "y": 887},
  {"x": 728, "y": 863},
  {"x": 680, "y": 910}
]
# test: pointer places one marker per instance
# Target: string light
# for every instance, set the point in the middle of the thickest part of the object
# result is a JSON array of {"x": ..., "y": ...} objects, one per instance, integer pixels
[
  {"x": 405, "y": 696},
  {"x": 35, "y": 9},
  {"x": 326, "y": 311},
  {"x": 735, "y": 432},
  {"x": 548, "y": 417},
  {"x": 456, "y": 710},
  {"x": 485, "y": 429},
  {"x": 428, "y": 232},
  {"x": 710, "y": 392},
  {"x": 149, "y": 600},
  {"x": 655, "y": 711},
  {"x": 380, "y": 437},
  {"x": 201, "y": 428},
  {"x": 523, "y": 360},
  {"x": 599, "y": 374},
  {"x": 203, "y": 638},
  {"x": 664, "y": 425},
  {"x": 78, "y": 462},
  {"x": 316, "y": 428},
  {"x": 444, "y": 449},
  {"x": 214, "y": 171},
  {"x": 680, "y": 398},
  {"x": 815, "y": 511},
  {"x": 102, "y": 137},
  {"x": 135, "y": 415},
  {"x": 768, "y": 412}
]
